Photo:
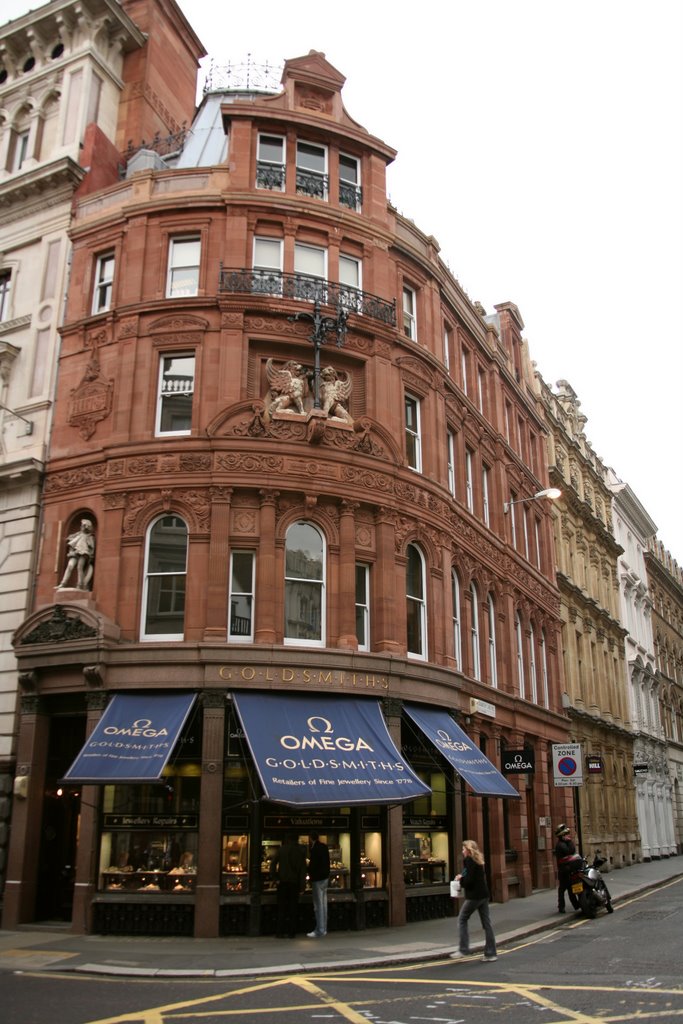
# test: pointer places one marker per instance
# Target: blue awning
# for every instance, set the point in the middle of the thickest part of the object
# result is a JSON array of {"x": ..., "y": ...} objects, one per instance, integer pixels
[
  {"x": 133, "y": 740},
  {"x": 459, "y": 750},
  {"x": 324, "y": 751}
]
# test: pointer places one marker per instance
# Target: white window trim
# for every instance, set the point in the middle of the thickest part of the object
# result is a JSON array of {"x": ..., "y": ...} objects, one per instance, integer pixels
[
  {"x": 474, "y": 633},
  {"x": 144, "y": 635},
  {"x": 457, "y": 619},
  {"x": 520, "y": 656},
  {"x": 422, "y": 607},
  {"x": 359, "y": 265},
  {"x": 513, "y": 521},
  {"x": 241, "y": 638},
  {"x": 356, "y": 185},
  {"x": 486, "y": 512},
  {"x": 281, "y": 164},
  {"x": 298, "y": 246},
  {"x": 324, "y": 175},
  {"x": 158, "y": 432},
  {"x": 446, "y": 348},
  {"x": 106, "y": 283},
  {"x": 532, "y": 667},
  {"x": 464, "y": 367},
  {"x": 172, "y": 243},
  {"x": 417, "y": 433},
  {"x": 525, "y": 527},
  {"x": 480, "y": 390},
  {"x": 493, "y": 652},
  {"x": 289, "y": 641},
  {"x": 450, "y": 454},
  {"x": 469, "y": 491},
  {"x": 409, "y": 315},
  {"x": 544, "y": 671},
  {"x": 364, "y": 607}
]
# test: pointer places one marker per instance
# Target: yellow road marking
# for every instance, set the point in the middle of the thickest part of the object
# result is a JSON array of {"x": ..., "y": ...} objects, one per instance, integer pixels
[{"x": 346, "y": 1011}]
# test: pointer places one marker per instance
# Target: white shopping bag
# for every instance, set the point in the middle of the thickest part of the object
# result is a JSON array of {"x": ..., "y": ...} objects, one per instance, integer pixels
[{"x": 455, "y": 887}]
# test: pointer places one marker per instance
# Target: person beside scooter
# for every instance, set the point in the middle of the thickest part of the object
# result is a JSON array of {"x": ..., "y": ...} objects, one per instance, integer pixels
[{"x": 565, "y": 850}]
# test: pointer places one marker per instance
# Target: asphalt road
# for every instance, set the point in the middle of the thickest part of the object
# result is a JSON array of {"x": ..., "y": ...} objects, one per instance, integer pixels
[{"x": 622, "y": 967}]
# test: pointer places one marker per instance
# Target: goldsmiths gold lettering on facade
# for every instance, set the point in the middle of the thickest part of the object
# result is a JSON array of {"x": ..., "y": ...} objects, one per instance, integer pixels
[{"x": 333, "y": 678}]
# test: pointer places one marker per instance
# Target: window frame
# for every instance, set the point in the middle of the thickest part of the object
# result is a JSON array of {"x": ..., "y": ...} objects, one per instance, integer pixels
[
  {"x": 275, "y": 180},
  {"x": 5, "y": 293},
  {"x": 159, "y": 414},
  {"x": 493, "y": 649},
  {"x": 311, "y": 174},
  {"x": 409, "y": 314},
  {"x": 450, "y": 460},
  {"x": 175, "y": 242},
  {"x": 475, "y": 649},
  {"x": 413, "y": 436},
  {"x": 519, "y": 639},
  {"x": 485, "y": 503},
  {"x": 292, "y": 641},
  {"x": 456, "y": 619},
  {"x": 419, "y": 603},
  {"x": 533, "y": 678},
  {"x": 145, "y": 635},
  {"x": 268, "y": 275},
  {"x": 345, "y": 184},
  {"x": 469, "y": 484},
  {"x": 363, "y": 606},
  {"x": 103, "y": 283},
  {"x": 242, "y": 638}
]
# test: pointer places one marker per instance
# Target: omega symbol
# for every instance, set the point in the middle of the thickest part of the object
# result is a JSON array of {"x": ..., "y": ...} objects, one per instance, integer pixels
[{"x": 318, "y": 718}]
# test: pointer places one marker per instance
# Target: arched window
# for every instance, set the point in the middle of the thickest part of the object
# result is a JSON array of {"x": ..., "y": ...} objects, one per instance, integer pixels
[
  {"x": 493, "y": 658},
  {"x": 416, "y": 603},
  {"x": 474, "y": 633},
  {"x": 532, "y": 667},
  {"x": 544, "y": 671},
  {"x": 520, "y": 656},
  {"x": 457, "y": 620},
  {"x": 165, "y": 577},
  {"x": 304, "y": 586}
]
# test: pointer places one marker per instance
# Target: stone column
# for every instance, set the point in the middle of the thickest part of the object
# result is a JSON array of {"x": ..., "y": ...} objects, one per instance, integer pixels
[
  {"x": 87, "y": 852},
  {"x": 207, "y": 897},
  {"x": 347, "y": 576},
  {"x": 265, "y": 631},
  {"x": 219, "y": 565},
  {"x": 27, "y": 811},
  {"x": 385, "y": 627},
  {"x": 395, "y": 882}
]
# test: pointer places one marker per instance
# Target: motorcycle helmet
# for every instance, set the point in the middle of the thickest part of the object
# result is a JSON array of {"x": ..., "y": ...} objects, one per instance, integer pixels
[{"x": 562, "y": 830}]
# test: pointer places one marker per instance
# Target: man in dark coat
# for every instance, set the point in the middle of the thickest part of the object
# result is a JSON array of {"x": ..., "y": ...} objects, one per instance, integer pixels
[
  {"x": 289, "y": 867},
  {"x": 565, "y": 850}
]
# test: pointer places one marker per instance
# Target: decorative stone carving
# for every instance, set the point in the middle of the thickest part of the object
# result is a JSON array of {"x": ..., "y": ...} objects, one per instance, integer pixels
[
  {"x": 91, "y": 400},
  {"x": 335, "y": 392},
  {"x": 288, "y": 387},
  {"x": 60, "y": 627}
]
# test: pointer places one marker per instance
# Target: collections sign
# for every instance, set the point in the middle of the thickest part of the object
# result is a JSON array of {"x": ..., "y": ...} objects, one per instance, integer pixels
[
  {"x": 324, "y": 751},
  {"x": 518, "y": 762},
  {"x": 567, "y": 764}
]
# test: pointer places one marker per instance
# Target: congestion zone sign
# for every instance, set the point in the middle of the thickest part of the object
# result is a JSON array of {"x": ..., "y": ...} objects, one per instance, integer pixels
[{"x": 567, "y": 764}]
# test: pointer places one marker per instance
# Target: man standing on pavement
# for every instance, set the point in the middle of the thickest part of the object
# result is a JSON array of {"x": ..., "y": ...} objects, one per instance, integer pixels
[
  {"x": 319, "y": 874},
  {"x": 289, "y": 867},
  {"x": 565, "y": 850}
]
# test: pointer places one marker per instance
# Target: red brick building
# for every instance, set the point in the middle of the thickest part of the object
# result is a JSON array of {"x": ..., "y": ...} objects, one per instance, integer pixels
[{"x": 307, "y": 457}]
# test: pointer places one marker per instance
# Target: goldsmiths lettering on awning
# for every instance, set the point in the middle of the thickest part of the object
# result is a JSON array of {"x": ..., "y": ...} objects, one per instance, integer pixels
[
  {"x": 133, "y": 739},
  {"x": 324, "y": 751},
  {"x": 462, "y": 753}
]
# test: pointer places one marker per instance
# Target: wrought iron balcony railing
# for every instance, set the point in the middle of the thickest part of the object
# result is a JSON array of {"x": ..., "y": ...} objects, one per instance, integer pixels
[
  {"x": 308, "y": 183},
  {"x": 306, "y": 288},
  {"x": 270, "y": 176},
  {"x": 350, "y": 195}
]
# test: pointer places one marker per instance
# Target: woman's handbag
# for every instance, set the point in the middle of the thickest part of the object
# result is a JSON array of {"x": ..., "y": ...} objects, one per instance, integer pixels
[{"x": 455, "y": 887}]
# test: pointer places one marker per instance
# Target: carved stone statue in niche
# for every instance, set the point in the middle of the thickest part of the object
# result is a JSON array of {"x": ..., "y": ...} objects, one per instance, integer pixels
[
  {"x": 334, "y": 394},
  {"x": 80, "y": 550},
  {"x": 288, "y": 387}
]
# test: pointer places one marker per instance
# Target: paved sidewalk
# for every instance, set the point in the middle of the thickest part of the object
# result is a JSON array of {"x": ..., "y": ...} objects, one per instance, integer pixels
[{"x": 56, "y": 949}]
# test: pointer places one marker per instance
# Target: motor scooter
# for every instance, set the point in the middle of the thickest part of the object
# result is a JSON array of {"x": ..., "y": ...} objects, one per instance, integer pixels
[{"x": 588, "y": 886}]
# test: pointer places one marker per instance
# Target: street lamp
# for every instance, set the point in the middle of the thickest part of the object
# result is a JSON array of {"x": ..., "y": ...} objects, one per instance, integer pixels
[
  {"x": 553, "y": 493},
  {"x": 322, "y": 327}
]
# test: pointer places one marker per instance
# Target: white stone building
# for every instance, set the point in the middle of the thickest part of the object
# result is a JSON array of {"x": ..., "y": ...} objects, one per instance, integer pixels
[{"x": 633, "y": 529}]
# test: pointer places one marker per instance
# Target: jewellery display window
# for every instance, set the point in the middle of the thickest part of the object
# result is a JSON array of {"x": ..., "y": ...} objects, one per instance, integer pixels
[
  {"x": 235, "y": 864},
  {"x": 149, "y": 831},
  {"x": 425, "y": 834}
]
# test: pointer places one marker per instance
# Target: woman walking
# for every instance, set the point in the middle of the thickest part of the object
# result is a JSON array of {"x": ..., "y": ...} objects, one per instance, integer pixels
[{"x": 473, "y": 881}]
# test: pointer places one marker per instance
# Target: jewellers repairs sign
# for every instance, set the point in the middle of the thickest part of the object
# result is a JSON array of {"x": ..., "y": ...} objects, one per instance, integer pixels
[{"x": 518, "y": 762}]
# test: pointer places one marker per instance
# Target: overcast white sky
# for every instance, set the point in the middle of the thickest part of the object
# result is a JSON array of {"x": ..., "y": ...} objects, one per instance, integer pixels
[{"x": 541, "y": 143}]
